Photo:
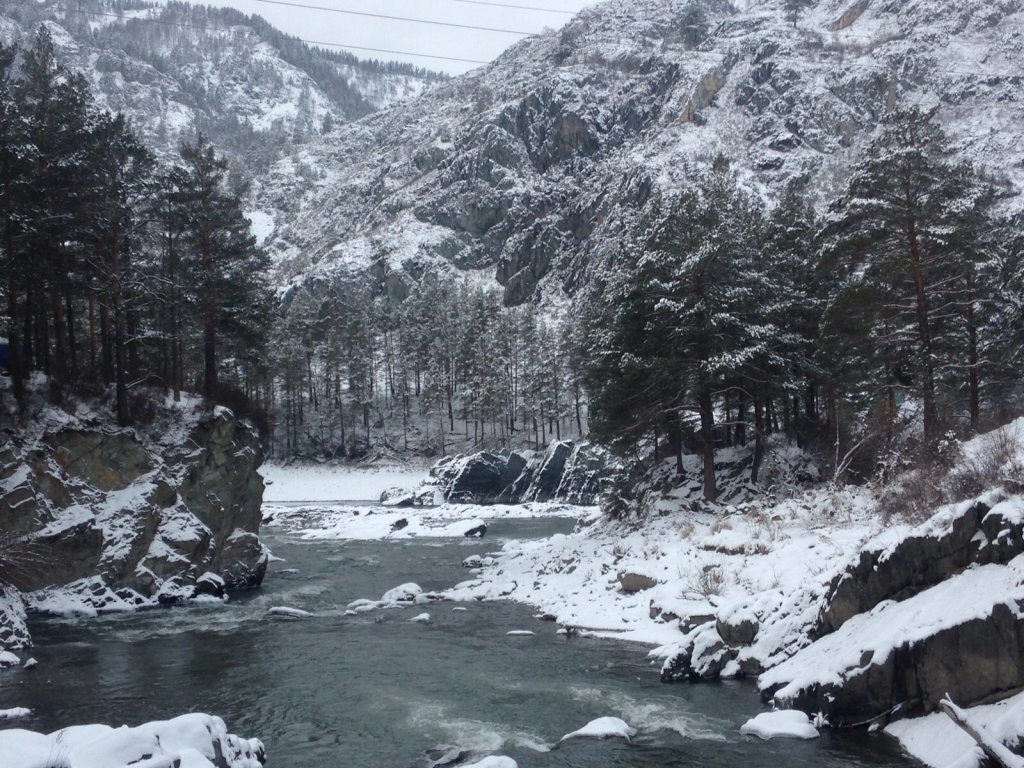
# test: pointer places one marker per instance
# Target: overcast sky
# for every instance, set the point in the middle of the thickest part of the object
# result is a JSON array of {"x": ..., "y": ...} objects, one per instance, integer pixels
[{"x": 369, "y": 32}]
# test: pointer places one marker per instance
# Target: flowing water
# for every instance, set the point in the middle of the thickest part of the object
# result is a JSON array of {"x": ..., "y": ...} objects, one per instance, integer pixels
[{"x": 375, "y": 690}]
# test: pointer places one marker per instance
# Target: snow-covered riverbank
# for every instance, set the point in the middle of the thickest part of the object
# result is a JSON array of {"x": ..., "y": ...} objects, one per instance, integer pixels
[
  {"x": 719, "y": 591},
  {"x": 738, "y": 590},
  {"x": 194, "y": 740}
]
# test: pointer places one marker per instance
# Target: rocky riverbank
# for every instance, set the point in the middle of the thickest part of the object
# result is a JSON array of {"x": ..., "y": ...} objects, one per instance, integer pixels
[
  {"x": 836, "y": 602},
  {"x": 99, "y": 518}
]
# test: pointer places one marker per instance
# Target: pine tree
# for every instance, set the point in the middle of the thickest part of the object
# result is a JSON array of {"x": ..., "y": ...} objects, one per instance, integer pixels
[
  {"x": 893, "y": 234},
  {"x": 122, "y": 181},
  {"x": 14, "y": 178},
  {"x": 225, "y": 270},
  {"x": 56, "y": 107}
]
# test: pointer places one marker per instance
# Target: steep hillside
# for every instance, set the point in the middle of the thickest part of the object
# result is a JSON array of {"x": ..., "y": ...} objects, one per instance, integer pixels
[
  {"x": 254, "y": 90},
  {"x": 528, "y": 169}
]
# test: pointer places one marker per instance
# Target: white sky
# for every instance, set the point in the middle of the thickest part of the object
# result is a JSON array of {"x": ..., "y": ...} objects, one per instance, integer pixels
[{"x": 328, "y": 27}]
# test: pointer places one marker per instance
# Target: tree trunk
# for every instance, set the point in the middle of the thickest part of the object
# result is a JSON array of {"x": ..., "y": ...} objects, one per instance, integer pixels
[
  {"x": 755, "y": 467},
  {"x": 209, "y": 356},
  {"x": 927, "y": 368},
  {"x": 972, "y": 364},
  {"x": 14, "y": 357},
  {"x": 707, "y": 435},
  {"x": 69, "y": 319}
]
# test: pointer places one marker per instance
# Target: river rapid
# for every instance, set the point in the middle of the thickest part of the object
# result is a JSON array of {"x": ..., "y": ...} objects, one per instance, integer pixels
[{"x": 376, "y": 690}]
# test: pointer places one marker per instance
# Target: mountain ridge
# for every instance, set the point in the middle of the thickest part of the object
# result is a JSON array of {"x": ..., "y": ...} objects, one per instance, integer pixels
[{"x": 530, "y": 169}]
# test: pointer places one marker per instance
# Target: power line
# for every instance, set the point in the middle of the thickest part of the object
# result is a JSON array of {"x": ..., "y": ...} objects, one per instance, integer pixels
[
  {"x": 207, "y": 28},
  {"x": 399, "y": 53},
  {"x": 517, "y": 7},
  {"x": 396, "y": 18}
]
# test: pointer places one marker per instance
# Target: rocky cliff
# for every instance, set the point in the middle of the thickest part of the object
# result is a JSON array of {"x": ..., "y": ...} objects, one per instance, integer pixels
[
  {"x": 529, "y": 170},
  {"x": 573, "y": 473},
  {"x": 100, "y": 518}
]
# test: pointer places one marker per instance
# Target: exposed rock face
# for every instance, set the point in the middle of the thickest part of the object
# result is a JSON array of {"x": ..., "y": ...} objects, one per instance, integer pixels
[
  {"x": 937, "y": 612},
  {"x": 121, "y": 517},
  {"x": 574, "y": 473},
  {"x": 13, "y": 632},
  {"x": 924, "y": 559},
  {"x": 635, "y": 582},
  {"x": 534, "y": 166},
  {"x": 482, "y": 478}
]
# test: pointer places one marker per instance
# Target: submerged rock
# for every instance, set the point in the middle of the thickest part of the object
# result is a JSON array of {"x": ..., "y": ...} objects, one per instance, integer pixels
[{"x": 443, "y": 755}]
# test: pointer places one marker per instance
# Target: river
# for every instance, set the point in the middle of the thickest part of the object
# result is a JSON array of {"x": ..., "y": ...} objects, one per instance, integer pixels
[{"x": 376, "y": 690}]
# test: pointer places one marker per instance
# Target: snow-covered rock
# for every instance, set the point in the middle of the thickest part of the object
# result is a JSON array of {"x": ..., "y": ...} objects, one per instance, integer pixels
[
  {"x": 789, "y": 724},
  {"x": 195, "y": 740},
  {"x": 898, "y": 655},
  {"x": 495, "y": 761},
  {"x": 8, "y": 659},
  {"x": 937, "y": 742},
  {"x": 602, "y": 728},
  {"x": 13, "y": 629},
  {"x": 403, "y": 593}
]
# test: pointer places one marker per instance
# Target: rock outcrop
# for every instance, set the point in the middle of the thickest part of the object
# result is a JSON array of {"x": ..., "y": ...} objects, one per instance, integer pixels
[
  {"x": 937, "y": 612},
  {"x": 944, "y": 547},
  {"x": 573, "y": 473},
  {"x": 117, "y": 518}
]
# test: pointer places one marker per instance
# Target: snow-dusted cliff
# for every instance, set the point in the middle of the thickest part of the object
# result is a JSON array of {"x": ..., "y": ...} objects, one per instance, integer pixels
[{"x": 530, "y": 168}]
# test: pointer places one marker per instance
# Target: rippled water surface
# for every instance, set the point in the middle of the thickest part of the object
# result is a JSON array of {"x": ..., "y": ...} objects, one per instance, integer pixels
[{"x": 374, "y": 691}]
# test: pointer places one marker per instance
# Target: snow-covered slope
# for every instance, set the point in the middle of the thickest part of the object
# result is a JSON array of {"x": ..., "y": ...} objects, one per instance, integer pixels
[
  {"x": 171, "y": 67},
  {"x": 530, "y": 168}
]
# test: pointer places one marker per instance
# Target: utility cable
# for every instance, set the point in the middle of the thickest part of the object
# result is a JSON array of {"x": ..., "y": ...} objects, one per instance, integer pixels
[
  {"x": 207, "y": 28},
  {"x": 516, "y": 7},
  {"x": 396, "y": 18}
]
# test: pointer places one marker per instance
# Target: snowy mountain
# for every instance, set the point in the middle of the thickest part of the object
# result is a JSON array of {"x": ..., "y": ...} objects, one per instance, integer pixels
[
  {"x": 169, "y": 67},
  {"x": 529, "y": 169}
]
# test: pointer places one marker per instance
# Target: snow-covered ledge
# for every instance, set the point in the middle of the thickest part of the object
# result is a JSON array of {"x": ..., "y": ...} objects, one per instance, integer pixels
[{"x": 195, "y": 740}]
